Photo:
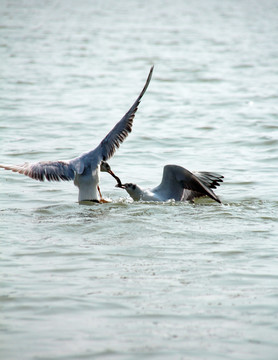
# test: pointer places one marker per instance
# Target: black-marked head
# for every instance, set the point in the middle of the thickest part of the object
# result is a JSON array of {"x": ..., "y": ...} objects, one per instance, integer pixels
[
  {"x": 105, "y": 167},
  {"x": 133, "y": 190}
]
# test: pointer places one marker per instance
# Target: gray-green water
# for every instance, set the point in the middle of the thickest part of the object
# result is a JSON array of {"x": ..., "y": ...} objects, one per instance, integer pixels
[{"x": 139, "y": 280}]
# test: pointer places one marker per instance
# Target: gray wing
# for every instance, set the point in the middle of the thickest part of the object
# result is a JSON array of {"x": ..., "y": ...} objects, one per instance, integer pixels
[
  {"x": 177, "y": 179},
  {"x": 65, "y": 170},
  {"x": 51, "y": 171},
  {"x": 117, "y": 135},
  {"x": 210, "y": 179}
]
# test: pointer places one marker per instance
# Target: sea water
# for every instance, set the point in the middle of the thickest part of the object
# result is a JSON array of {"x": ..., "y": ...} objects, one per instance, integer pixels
[{"x": 140, "y": 280}]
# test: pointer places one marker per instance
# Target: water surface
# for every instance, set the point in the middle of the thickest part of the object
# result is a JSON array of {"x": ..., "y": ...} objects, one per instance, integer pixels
[{"x": 140, "y": 280}]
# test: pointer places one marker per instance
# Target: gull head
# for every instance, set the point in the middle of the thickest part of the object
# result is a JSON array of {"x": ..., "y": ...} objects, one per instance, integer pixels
[
  {"x": 105, "y": 167},
  {"x": 133, "y": 190}
]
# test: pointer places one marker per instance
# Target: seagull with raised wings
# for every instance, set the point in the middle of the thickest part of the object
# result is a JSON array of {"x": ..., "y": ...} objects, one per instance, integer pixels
[
  {"x": 85, "y": 169},
  {"x": 177, "y": 184}
]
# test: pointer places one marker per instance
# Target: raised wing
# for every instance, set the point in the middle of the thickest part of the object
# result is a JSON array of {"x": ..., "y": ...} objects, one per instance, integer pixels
[
  {"x": 65, "y": 170},
  {"x": 210, "y": 179},
  {"x": 117, "y": 135},
  {"x": 51, "y": 171},
  {"x": 176, "y": 179}
]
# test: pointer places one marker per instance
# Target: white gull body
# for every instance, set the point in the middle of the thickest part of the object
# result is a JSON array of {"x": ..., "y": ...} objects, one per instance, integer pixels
[
  {"x": 177, "y": 184},
  {"x": 84, "y": 169}
]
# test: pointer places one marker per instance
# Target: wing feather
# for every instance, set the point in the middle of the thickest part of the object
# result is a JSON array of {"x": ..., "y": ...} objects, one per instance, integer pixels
[
  {"x": 210, "y": 179},
  {"x": 49, "y": 170},
  {"x": 176, "y": 178},
  {"x": 65, "y": 170},
  {"x": 117, "y": 135}
]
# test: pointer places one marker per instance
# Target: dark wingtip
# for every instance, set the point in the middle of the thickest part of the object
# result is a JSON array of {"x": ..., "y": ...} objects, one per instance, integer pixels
[{"x": 147, "y": 83}]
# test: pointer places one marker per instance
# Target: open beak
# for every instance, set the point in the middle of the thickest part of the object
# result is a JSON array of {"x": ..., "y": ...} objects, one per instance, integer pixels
[
  {"x": 119, "y": 183},
  {"x": 121, "y": 186}
]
